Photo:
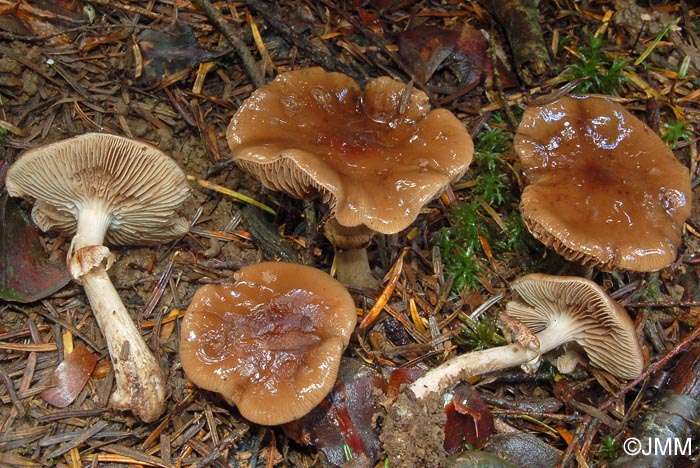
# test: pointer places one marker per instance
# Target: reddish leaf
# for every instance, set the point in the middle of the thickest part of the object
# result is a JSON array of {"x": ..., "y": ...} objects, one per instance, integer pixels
[
  {"x": 424, "y": 48},
  {"x": 26, "y": 275},
  {"x": 472, "y": 60},
  {"x": 401, "y": 376},
  {"x": 346, "y": 416},
  {"x": 465, "y": 53},
  {"x": 70, "y": 377},
  {"x": 469, "y": 420},
  {"x": 371, "y": 20},
  {"x": 471, "y": 57}
]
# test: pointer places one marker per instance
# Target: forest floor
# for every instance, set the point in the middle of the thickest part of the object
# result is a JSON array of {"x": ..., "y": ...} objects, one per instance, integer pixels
[{"x": 171, "y": 73}]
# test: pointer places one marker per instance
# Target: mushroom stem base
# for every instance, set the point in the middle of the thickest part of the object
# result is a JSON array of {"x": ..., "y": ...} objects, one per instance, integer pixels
[
  {"x": 140, "y": 384},
  {"x": 352, "y": 267},
  {"x": 464, "y": 366}
]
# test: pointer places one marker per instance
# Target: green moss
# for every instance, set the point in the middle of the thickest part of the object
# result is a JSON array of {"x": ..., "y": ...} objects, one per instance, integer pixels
[
  {"x": 674, "y": 131},
  {"x": 459, "y": 243},
  {"x": 489, "y": 166},
  {"x": 607, "y": 451},
  {"x": 482, "y": 333},
  {"x": 471, "y": 221},
  {"x": 599, "y": 71}
]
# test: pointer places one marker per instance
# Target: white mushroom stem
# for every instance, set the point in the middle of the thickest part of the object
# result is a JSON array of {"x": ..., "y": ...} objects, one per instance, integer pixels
[
  {"x": 92, "y": 223},
  {"x": 140, "y": 386},
  {"x": 462, "y": 367},
  {"x": 89, "y": 185}
]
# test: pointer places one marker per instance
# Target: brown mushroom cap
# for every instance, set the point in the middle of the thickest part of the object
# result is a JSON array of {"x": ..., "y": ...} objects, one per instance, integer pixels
[
  {"x": 376, "y": 156},
  {"x": 603, "y": 189},
  {"x": 596, "y": 322},
  {"x": 134, "y": 186},
  {"x": 271, "y": 343}
]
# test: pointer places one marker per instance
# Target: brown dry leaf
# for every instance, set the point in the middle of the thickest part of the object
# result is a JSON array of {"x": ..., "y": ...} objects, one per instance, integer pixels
[
  {"x": 43, "y": 18},
  {"x": 424, "y": 48},
  {"x": 70, "y": 377},
  {"x": 171, "y": 52}
]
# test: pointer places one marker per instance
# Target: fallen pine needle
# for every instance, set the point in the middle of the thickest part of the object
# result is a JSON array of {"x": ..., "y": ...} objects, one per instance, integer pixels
[
  {"x": 393, "y": 276},
  {"x": 172, "y": 316},
  {"x": 113, "y": 458},
  {"x": 36, "y": 347},
  {"x": 231, "y": 193}
]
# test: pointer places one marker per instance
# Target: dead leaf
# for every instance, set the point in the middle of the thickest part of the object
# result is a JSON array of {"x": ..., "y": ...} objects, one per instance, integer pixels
[
  {"x": 172, "y": 51},
  {"x": 465, "y": 52},
  {"x": 43, "y": 18},
  {"x": 26, "y": 275},
  {"x": 70, "y": 377},
  {"x": 345, "y": 419},
  {"x": 469, "y": 420},
  {"x": 424, "y": 48}
]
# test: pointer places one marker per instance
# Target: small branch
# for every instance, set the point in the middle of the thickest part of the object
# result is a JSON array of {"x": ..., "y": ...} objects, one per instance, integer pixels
[
  {"x": 266, "y": 237},
  {"x": 135, "y": 9},
  {"x": 232, "y": 36},
  {"x": 520, "y": 22},
  {"x": 661, "y": 304}
]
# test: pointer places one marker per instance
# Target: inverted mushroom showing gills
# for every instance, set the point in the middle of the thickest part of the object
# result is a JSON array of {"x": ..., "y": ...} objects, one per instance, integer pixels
[
  {"x": 560, "y": 309},
  {"x": 106, "y": 188},
  {"x": 270, "y": 343},
  {"x": 376, "y": 156},
  {"x": 602, "y": 188}
]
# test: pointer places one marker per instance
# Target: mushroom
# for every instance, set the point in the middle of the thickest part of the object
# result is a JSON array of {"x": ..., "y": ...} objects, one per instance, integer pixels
[
  {"x": 271, "y": 342},
  {"x": 377, "y": 157},
  {"x": 560, "y": 309},
  {"x": 107, "y": 188},
  {"x": 603, "y": 189}
]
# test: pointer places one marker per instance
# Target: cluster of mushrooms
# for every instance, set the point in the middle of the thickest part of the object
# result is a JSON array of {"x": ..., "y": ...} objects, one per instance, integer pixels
[{"x": 271, "y": 342}]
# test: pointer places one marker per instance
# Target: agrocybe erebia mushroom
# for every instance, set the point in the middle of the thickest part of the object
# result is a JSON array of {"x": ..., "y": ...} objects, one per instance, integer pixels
[
  {"x": 602, "y": 188},
  {"x": 376, "y": 156},
  {"x": 104, "y": 188},
  {"x": 561, "y": 310},
  {"x": 271, "y": 342}
]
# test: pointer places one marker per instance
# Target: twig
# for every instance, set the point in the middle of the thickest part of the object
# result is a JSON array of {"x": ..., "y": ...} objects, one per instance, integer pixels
[
  {"x": 520, "y": 21},
  {"x": 232, "y": 36},
  {"x": 664, "y": 304},
  {"x": 512, "y": 121},
  {"x": 11, "y": 392},
  {"x": 224, "y": 445},
  {"x": 53, "y": 317},
  {"x": 266, "y": 237},
  {"x": 129, "y": 8}
]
